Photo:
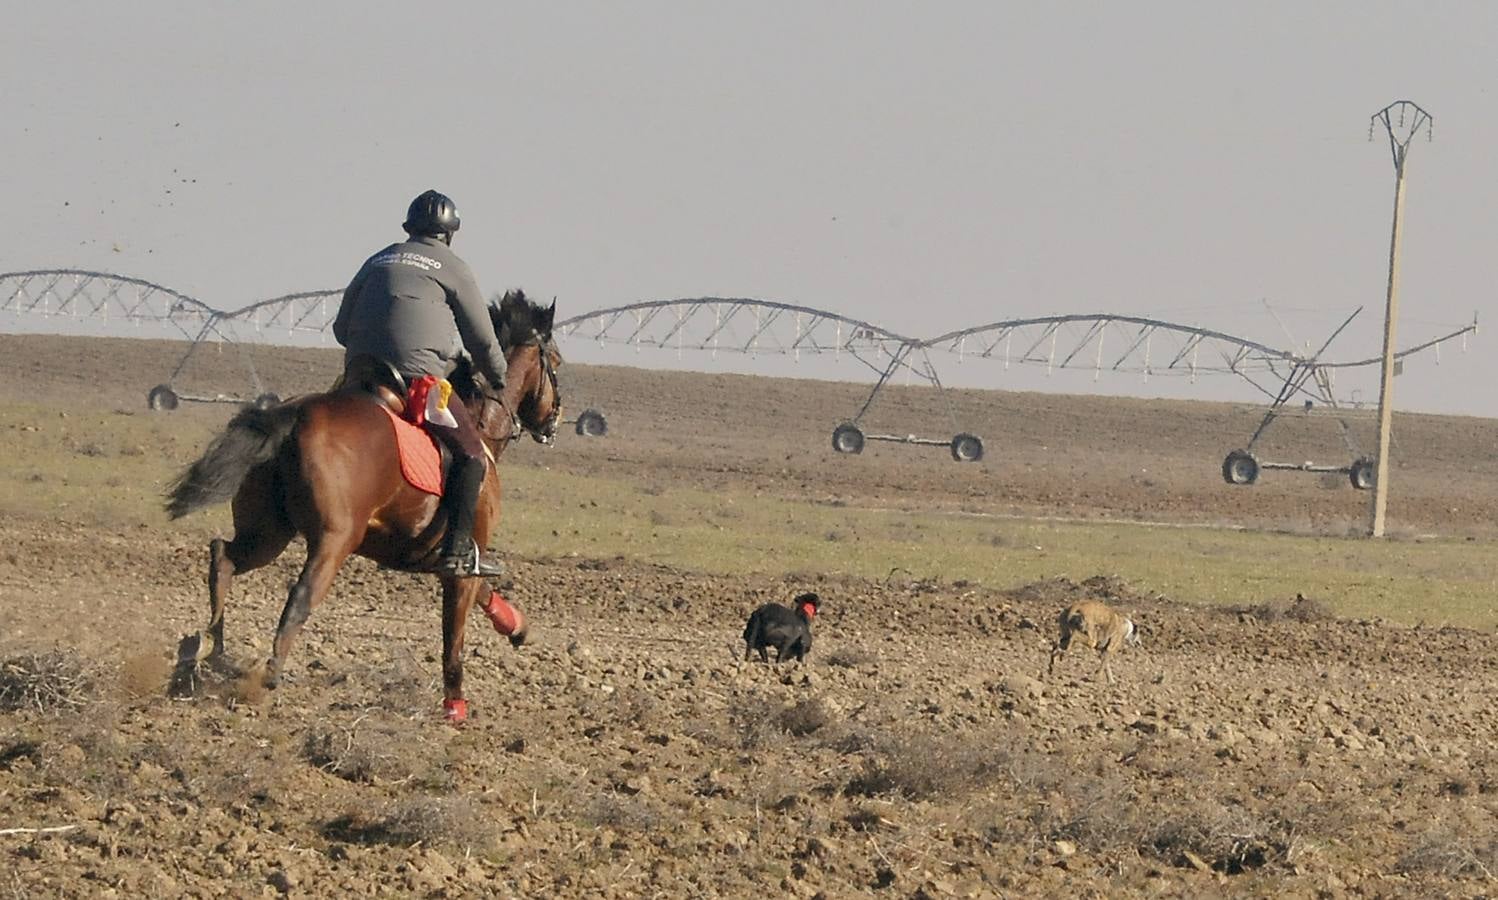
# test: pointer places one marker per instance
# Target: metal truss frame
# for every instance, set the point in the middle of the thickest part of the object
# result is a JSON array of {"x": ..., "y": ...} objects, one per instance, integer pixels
[{"x": 1099, "y": 342}]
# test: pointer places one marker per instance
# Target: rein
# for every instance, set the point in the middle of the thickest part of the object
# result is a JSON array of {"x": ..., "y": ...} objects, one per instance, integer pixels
[
  {"x": 492, "y": 433},
  {"x": 544, "y": 433}
]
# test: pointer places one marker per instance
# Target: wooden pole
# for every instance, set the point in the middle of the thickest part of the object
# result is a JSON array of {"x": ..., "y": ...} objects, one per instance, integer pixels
[{"x": 1386, "y": 378}]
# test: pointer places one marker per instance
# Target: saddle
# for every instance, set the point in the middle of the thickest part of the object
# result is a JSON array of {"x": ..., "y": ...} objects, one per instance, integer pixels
[
  {"x": 424, "y": 459},
  {"x": 372, "y": 375}
]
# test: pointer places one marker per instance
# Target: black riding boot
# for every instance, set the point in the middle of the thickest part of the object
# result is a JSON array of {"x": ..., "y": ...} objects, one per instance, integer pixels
[{"x": 461, "y": 555}]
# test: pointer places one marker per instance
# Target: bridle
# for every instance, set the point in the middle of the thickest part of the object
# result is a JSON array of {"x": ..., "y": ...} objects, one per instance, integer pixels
[
  {"x": 543, "y": 432},
  {"x": 546, "y": 432}
]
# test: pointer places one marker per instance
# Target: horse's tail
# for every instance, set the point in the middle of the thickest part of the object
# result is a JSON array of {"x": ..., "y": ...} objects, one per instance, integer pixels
[{"x": 252, "y": 437}]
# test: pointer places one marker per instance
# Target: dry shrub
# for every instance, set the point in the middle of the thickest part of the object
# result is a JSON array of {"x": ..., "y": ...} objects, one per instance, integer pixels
[
  {"x": 804, "y": 718},
  {"x": 846, "y": 738},
  {"x": 850, "y": 658},
  {"x": 245, "y": 783},
  {"x": 752, "y": 720},
  {"x": 1302, "y": 609},
  {"x": 1231, "y": 840},
  {"x": 922, "y": 767},
  {"x": 1451, "y": 852},
  {"x": 1102, "y": 815},
  {"x": 362, "y": 755},
  {"x": 53, "y": 682},
  {"x": 758, "y": 720},
  {"x": 752, "y": 729},
  {"x": 422, "y": 819},
  {"x": 1305, "y": 609},
  {"x": 1095, "y": 813},
  {"x": 624, "y": 813}
]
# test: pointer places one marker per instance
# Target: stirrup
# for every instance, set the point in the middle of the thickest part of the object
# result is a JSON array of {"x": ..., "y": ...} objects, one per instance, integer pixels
[{"x": 471, "y": 564}]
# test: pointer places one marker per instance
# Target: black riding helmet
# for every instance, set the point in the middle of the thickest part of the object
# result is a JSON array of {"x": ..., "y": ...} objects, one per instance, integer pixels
[{"x": 432, "y": 214}]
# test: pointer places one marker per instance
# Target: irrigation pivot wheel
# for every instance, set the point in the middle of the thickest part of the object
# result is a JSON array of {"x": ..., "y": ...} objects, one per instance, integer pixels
[
  {"x": 847, "y": 438},
  {"x": 1240, "y": 467},
  {"x": 591, "y": 423},
  {"x": 967, "y": 447},
  {"x": 162, "y": 397}
]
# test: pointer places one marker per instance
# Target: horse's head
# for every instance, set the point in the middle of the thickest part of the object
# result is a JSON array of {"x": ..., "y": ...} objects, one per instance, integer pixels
[{"x": 524, "y": 330}]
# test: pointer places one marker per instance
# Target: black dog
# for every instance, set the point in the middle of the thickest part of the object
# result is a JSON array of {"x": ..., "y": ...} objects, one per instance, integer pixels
[{"x": 787, "y": 630}]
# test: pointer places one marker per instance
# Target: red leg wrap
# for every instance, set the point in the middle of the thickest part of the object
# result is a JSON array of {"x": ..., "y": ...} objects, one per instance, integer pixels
[
  {"x": 456, "y": 711},
  {"x": 506, "y": 618}
]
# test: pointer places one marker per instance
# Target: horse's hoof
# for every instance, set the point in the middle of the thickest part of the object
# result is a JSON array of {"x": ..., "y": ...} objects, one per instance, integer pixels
[
  {"x": 220, "y": 663},
  {"x": 194, "y": 648},
  {"x": 518, "y": 638},
  {"x": 272, "y": 679}
]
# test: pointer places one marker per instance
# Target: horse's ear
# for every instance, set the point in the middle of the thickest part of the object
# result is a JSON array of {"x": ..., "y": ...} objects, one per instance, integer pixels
[{"x": 547, "y": 318}]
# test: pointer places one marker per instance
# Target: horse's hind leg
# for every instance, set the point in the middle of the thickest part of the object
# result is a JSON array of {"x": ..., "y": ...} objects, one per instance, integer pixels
[
  {"x": 325, "y": 557},
  {"x": 261, "y": 533},
  {"x": 247, "y": 552}
]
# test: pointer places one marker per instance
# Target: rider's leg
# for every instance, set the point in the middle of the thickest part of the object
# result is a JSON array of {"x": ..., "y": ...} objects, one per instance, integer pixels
[{"x": 461, "y": 555}]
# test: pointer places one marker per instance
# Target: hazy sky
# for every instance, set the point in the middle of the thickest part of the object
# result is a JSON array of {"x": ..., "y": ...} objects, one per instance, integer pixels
[{"x": 924, "y": 167}]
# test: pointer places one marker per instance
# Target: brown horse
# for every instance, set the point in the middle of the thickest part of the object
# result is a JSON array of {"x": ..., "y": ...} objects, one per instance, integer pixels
[{"x": 326, "y": 466}]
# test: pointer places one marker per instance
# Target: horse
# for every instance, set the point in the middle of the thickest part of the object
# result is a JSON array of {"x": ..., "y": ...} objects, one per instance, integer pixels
[{"x": 326, "y": 467}]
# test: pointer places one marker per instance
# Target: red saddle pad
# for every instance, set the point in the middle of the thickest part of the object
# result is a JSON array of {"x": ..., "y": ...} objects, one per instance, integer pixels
[{"x": 421, "y": 462}]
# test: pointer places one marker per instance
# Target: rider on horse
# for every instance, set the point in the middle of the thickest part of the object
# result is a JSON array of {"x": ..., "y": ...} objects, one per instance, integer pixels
[{"x": 413, "y": 305}]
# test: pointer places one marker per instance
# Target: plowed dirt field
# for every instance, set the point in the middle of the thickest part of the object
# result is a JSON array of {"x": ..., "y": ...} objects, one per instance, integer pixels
[{"x": 627, "y": 751}]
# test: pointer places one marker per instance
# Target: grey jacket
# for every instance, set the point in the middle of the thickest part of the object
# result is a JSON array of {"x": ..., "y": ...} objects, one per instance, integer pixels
[{"x": 416, "y": 305}]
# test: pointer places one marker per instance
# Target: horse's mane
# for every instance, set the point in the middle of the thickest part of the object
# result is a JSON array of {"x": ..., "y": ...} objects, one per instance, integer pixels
[{"x": 519, "y": 320}]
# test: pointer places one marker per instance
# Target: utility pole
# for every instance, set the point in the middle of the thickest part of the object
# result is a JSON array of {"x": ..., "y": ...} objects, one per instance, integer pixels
[{"x": 1411, "y": 119}]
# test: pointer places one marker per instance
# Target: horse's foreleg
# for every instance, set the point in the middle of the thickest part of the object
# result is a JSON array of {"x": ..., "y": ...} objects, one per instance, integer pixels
[
  {"x": 324, "y": 558},
  {"x": 458, "y": 595},
  {"x": 506, "y": 619}
]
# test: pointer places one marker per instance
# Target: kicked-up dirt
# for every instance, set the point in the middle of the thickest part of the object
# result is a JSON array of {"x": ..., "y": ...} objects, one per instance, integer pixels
[{"x": 628, "y": 750}]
